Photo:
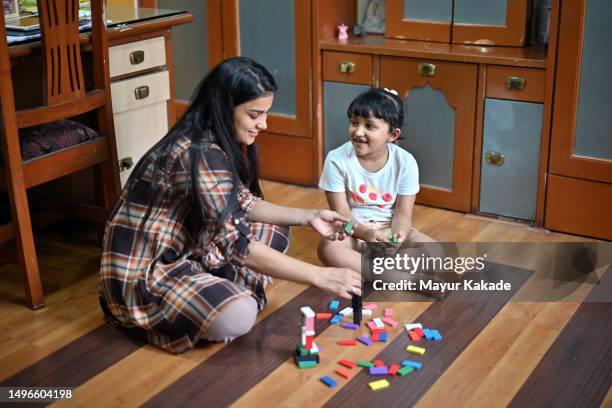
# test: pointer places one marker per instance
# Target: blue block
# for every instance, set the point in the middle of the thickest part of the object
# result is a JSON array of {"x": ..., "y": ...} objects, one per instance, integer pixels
[
  {"x": 336, "y": 319},
  {"x": 328, "y": 381},
  {"x": 436, "y": 335},
  {"x": 414, "y": 364},
  {"x": 382, "y": 337},
  {"x": 428, "y": 334},
  {"x": 333, "y": 305}
]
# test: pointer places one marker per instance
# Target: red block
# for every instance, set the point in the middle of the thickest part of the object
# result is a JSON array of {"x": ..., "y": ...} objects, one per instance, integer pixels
[
  {"x": 419, "y": 331},
  {"x": 323, "y": 316},
  {"x": 344, "y": 373},
  {"x": 347, "y": 363},
  {"x": 393, "y": 369},
  {"x": 347, "y": 342},
  {"x": 375, "y": 336},
  {"x": 308, "y": 344},
  {"x": 379, "y": 363},
  {"x": 413, "y": 336}
]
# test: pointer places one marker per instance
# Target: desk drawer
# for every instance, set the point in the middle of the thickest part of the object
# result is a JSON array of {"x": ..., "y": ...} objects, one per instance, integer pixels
[
  {"x": 505, "y": 83},
  {"x": 357, "y": 67},
  {"x": 137, "y": 56},
  {"x": 140, "y": 91}
]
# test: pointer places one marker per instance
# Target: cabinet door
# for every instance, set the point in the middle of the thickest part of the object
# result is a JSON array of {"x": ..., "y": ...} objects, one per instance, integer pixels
[
  {"x": 336, "y": 98},
  {"x": 440, "y": 102},
  {"x": 277, "y": 34},
  {"x": 581, "y": 142},
  {"x": 420, "y": 20},
  {"x": 490, "y": 22}
]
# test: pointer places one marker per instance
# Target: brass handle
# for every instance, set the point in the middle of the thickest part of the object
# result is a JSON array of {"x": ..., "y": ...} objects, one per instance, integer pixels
[
  {"x": 515, "y": 83},
  {"x": 495, "y": 158},
  {"x": 427, "y": 69},
  {"x": 136, "y": 57},
  {"x": 347, "y": 67},
  {"x": 125, "y": 163},
  {"x": 141, "y": 92}
]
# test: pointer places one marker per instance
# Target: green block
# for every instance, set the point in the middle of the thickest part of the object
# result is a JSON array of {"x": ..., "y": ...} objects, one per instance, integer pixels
[
  {"x": 307, "y": 364},
  {"x": 365, "y": 364},
  {"x": 393, "y": 239},
  {"x": 405, "y": 370},
  {"x": 348, "y": 227}
]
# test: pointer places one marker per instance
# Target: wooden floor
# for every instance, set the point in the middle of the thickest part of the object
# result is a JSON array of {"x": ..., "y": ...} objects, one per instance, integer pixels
[{"x": 496, "y": 352}]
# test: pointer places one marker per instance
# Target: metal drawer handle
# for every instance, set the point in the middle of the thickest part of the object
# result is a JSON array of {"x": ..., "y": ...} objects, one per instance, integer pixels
[
  {"x": 136, "y": 57},
  {"x": 515, "y": 83},
  {"x": 347, "y": 67},
  {"x": 125, "y": 163},
  {"x": 141, "y": 92},
  {"x": 427, "y": 69},
  {"x": 495, "y": 158}
]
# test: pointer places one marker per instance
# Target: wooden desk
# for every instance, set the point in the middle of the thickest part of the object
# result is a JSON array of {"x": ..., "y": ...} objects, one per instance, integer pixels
[{"x": 140, "y": 120}]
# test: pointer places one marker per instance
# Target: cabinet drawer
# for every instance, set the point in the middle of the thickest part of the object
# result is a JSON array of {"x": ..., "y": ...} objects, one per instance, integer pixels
[
  {"x": 137, "y": 56},
  {"x": 357, "y": 67},
  {"x": 140, "y": 91},
  {"x": 506, "y": 83}
]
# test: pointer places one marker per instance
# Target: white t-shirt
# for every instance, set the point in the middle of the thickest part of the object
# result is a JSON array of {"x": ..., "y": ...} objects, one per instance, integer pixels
[{"x": 371, "y": 196}]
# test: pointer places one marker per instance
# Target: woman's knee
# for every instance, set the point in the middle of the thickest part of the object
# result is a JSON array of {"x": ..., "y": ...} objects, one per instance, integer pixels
[{"x": 235, "y": 320}]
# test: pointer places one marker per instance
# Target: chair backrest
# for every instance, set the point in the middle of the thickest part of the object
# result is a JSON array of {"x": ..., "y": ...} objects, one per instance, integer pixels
[{"x": 59, "y": 23}]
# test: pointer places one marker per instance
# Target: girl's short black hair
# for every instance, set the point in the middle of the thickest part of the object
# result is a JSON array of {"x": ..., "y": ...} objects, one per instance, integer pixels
[{"x": 380, "y": 103}]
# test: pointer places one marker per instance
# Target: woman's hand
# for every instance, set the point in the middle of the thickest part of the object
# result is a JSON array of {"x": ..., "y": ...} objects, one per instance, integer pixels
[
  {"x": 329, "y": 224},
  {"x": 343, "y": 282}
]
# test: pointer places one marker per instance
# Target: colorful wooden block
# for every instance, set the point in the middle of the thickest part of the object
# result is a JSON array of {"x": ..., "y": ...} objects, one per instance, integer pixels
[
  {"x": 348, "y": 227},
  {"x": 307, "y": 364},
  {"x": 383, "y": 336},
  {"x": 371, "y": 306},
  {"x": 419, "y": 332},
  {"x": 365, "y": 364},
  {"x": 413, "y": 335},
  {"x": 436, "y": 335},
  {"x": 365, "y": 340},
  {"x": 333, "y": 305},
  {"x": 350, "y": 326},
  {"x": 323, "y": 316},
  {"x": 388, "y": 312},
  {"x": 412, "y": 326},
  {"x": 378, "y": 385},
  {"x": 375, "y": 336},
  {"x": 307, "y": 311},
  {"x": 330, "y": 382},
  {"x": 336, "y": 319},
  {"x": 347, "y": 342},
  {"x": 379, "y": 363},
  {"x": 393, "y": 369},
  {"x": 428, "y": 334},
  {"x": 389, "y": 321},
  {"x": 378, "y": 322},
  {"x": 347, "y": 311},
  {"x": 415, "y": 350},
  {"x": 414, "y": 364},
  {"x": 347, "y": 363},
  {"x": 379, "y": 370},
  {"x": 366, "y": 312},
  {"x": 343, "y": 372},
  {"x": 404, "y": 371}
]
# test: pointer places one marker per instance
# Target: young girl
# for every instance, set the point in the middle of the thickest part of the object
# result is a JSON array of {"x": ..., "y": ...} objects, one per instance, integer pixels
[
  {"x": 191, "y": 245},
  {"x": 371, "y": 180}
]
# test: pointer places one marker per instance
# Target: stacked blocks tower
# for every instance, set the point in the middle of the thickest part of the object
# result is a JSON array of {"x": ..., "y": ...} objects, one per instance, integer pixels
[{"x": 306, "y": 353}]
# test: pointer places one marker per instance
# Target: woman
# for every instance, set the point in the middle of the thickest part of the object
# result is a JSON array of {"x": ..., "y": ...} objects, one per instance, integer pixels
[{"x": 191, "y": 244}]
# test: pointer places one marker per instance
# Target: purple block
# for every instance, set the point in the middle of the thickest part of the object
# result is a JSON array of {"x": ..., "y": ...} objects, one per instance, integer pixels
[
  {"x": 379, "y": 370},
  {"x": 365, "y": 340},
  {"x": 352, "y": 326}
]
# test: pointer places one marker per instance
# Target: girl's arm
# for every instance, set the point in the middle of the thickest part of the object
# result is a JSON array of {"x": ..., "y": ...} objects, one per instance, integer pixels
[
  {"x": 402, "y": 216},
  {"x": 343, "y": 282}
]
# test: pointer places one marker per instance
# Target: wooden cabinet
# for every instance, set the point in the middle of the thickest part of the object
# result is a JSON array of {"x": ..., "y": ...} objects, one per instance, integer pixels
[
  {"x": 140, "y": 90},
  {"x": 482, "y": 22},
  {"x": 440, "y": 103},
  {"x": 581, "y": 145}
]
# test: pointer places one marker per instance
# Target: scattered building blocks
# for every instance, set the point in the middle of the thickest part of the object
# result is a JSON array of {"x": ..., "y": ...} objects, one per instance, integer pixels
[
  {"x": 436, "y": 335},
  {"x": 371, "y": 306},
  {"x": 379, "y": 363},
  {"x": 365, "y": 340},
  {"x": 330, "y": 382},
  {"x": 343, "y": 372},
  {"x": 348, "y": 228},
  {"x": 307, "y": 364},
  {"x": 347, "y": 363},
  {"x": 336, "y": 319},
  {"x": 347, "y": 342},
  {"x": 412, "y": 326},
  {"x": 393, "y": 369},
  {"x": 415, "y": 350},
  {"x": 388, "y": 312},
  {"x": 413, "y": 336},
  {"x": 323, "y": 316},
  {"x": 351, "y": 326},
  {"x": 366, "y": 312},
  {"x": 347, "y": 311},
  {"x": 357, "y": 309},
  {"x": 414, "y": 364},
  {"x": 333, "y": 305},
  {"x": 404, "y": 371},
  {"x": 378, "y": 385},
  {"x": 365, "y": 364},
  {"x": 383, "y": 336},
  {"x": 389, "y": 321},
  {"x": 379, "y": 370}
]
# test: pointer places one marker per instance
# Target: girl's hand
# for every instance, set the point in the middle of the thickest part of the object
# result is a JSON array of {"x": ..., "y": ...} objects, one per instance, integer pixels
[
  {"x": 329, "y": 224},
  {"x": 343, "y": 282},
  {"x": 401, "y": 236}
]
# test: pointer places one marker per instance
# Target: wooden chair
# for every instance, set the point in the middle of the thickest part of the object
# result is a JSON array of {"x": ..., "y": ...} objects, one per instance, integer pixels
[{"x": 64, "y": 96}]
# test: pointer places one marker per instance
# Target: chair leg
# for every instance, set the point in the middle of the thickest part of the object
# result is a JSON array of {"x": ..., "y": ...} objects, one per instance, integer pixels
[{"x": 25, "y": 246}]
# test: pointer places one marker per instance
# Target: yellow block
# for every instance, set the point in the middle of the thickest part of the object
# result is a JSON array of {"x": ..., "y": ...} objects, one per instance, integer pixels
[
  {"x": 378, "y": 385},
  {"x": 415, "y": 350}
]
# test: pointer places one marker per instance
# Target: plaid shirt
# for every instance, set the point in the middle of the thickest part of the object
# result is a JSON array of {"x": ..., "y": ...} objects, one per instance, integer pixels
[{"x": 168, "y": 264}]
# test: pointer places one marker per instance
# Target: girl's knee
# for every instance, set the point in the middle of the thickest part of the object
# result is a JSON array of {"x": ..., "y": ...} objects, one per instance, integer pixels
[{"x": 235, "y": 320}]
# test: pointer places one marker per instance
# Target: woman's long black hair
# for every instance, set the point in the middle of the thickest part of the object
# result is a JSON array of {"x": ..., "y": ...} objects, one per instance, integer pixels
[{"x": 231, "y": 83}]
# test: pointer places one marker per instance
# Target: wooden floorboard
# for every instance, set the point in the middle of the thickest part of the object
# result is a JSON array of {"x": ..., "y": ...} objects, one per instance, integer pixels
[{"x": 498, "y": 353}]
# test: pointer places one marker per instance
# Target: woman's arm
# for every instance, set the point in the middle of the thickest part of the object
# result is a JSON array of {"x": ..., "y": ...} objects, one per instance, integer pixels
[
  {"x": 343, "y": 282},
  {"x": 402, "y": 216}
]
